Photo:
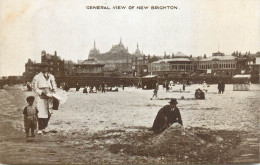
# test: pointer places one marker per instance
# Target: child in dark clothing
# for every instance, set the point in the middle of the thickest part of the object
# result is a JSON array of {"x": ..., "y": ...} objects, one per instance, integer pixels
[
  {"x": 30, "y": 113},
  {"x": 155, "y": 91}
]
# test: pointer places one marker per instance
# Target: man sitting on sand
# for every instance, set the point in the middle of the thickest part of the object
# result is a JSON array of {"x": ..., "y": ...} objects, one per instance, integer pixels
[
  {"x": 166, "y": 116},
  {"x": 199, "y": 94}
]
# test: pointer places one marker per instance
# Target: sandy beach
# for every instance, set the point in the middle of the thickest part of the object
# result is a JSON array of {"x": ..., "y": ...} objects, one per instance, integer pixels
[{"x": 113, "y": 128}]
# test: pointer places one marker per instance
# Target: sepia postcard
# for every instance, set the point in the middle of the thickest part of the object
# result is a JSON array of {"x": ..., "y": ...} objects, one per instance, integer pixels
[{"x": 129, "y": 81}]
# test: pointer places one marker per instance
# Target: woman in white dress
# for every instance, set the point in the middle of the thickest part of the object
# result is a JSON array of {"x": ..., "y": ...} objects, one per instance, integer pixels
[{"x": 44, "y": 85}]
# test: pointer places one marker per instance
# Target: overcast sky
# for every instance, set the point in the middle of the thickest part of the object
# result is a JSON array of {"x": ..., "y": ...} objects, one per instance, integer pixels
[{"x": 197, "y": 27}]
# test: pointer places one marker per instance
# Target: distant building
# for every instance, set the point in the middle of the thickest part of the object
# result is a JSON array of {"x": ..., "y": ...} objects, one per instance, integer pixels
[
  {"x": 140, "y": 62},
  {"x": 254, "y": 66},
  {"x": 218, "y": 54},
  {"x": 31, "y": 69},
  {"x": 166, "y": 56},
  {"x": 179, "y": 63},
  {"x": 56, "y": 65},
  {"x": 140, "y": 65},
  {"x": 137, "y": 51},
  {"x": 69, "y": 68},
  {"x": 217, "y": 64},
  {"x": 117, "y": 59},
  {"x": 89, "y": 67},
  {"x": 119, "y": 48},
  {"x": 93, "y": 52}
]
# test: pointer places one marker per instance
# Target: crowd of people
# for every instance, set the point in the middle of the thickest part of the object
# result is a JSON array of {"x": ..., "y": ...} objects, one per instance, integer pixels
[
  {"x": 169, "y": 85},
  {"x": 103, "y": 87}
]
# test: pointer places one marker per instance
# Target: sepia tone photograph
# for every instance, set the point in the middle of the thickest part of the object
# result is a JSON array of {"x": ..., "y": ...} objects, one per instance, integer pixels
[{"x": 129, "y": 81}]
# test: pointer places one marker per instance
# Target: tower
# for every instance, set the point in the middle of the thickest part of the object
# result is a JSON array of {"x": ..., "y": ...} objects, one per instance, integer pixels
[
  {"x": 137, "y": 51},
  {"x": 93, "y": 51},
  {"x": 120, "y": 43}
]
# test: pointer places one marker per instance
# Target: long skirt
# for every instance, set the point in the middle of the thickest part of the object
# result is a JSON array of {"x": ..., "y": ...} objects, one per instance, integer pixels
[
  {"x": 44, "y": 107},
  {"x": 43, "y": 123}
]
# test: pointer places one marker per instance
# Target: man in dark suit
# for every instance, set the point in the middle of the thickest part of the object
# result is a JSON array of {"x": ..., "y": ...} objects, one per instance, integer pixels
[{"x": 166, "y": 116}]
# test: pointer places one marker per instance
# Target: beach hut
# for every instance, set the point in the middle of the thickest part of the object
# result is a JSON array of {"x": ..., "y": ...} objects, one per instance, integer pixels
[
  {"x": 149, "y": 82},
  {"x": 241, "y": 82}
]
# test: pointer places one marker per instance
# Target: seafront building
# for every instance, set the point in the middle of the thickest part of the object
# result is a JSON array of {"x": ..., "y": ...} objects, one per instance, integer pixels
[
  {"x": 89, "y": 67},
  {"x": 177, "y": 64},
  {"x": 117, "y": 59},
  {"x": 217, "y": 64},
  {"x": 118, "y": 62},
  {"x": 56, "y": 66}
]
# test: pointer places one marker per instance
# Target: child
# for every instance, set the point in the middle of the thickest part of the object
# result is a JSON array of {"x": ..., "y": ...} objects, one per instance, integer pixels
[
  {"x": 154, "y": 93},
  {"x": 30, "y": 113}
]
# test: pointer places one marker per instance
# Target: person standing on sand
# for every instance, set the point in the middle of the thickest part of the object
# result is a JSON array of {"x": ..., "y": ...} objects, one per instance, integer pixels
[
  {"x": 167, "y": 86},
  {"x": 44, "y": 85},
  {"x": 219, "y": 87},
  {"x": 155, "y": 91},
  {"x": 222, "y": 87},
  {"x": 77, "y": 87},
  {"x": 103, "y": 87},
  {"x": 30, "y": 113},
  {"x": 157, "y": 86},
  {"x": 166, "y": 116}
]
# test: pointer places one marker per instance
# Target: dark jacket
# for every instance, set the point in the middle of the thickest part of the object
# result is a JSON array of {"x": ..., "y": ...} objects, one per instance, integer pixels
[{"x": 165, "y": 118}]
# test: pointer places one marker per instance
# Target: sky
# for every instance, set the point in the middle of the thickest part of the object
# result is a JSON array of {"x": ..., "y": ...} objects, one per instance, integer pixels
[{"x": 197, "y": 27}]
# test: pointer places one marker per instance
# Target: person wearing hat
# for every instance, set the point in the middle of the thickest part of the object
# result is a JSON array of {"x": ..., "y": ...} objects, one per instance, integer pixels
[
  {"x": 44, "y": 85},
  {"x": 166, "y": 116}
]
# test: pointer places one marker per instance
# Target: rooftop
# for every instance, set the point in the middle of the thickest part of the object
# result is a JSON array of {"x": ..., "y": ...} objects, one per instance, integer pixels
[
  {"x": 221, "y": 58},
  {"x": 180, "y": 54},
  {"x": 88, "y": 62},
  {"x": 171, "y": 60},
  {"x": 48, "y": 56}
]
